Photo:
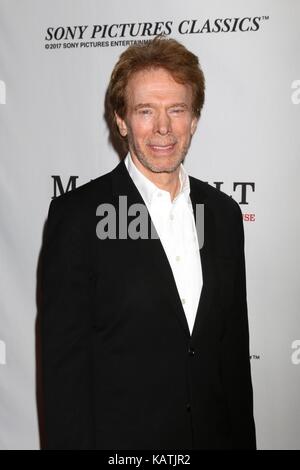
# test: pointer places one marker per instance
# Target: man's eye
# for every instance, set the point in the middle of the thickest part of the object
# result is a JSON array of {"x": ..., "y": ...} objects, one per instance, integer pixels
[
  {"x": 145, "y": 112},
  {"x": 177, "y": 110}
]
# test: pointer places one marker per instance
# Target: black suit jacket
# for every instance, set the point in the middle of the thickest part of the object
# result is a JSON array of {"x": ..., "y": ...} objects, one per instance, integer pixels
[{"x": 120, "y": 368}]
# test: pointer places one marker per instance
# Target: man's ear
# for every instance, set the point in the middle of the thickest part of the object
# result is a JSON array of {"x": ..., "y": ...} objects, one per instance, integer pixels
[
  {"x": 121, "y": 125},
  {"x": 194, "y": 125}
]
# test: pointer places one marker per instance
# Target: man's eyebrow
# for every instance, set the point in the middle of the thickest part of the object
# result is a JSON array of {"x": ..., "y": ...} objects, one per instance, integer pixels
[
  {"x": 143, "y": 105},
  {"x": 179, "y": 105},
  {"x": 151, "y": 105}
]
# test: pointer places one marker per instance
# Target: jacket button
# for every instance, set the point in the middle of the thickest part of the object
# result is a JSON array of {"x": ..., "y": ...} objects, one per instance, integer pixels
[
  {"x": 188, "y": 407},
  {"x": 191, "y": 352}
]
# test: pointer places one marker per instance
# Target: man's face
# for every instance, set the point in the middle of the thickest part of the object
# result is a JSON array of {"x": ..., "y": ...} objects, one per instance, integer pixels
[{"x": 159, "y": 122}]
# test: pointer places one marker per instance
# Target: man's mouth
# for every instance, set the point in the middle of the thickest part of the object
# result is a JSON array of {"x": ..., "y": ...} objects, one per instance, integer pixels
[{"x": 162, "y": 148}]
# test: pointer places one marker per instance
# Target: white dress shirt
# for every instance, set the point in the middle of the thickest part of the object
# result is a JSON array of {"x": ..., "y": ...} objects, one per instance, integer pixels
[{"x": 175, "y": 225}]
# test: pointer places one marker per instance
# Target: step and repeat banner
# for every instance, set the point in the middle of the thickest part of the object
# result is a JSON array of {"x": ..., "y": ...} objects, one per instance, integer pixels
[{"x": 55, "y": 62}]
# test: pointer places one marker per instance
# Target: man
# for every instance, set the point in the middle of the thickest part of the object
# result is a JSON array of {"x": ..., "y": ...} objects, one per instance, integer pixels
[{"x": 145, "y": 339}]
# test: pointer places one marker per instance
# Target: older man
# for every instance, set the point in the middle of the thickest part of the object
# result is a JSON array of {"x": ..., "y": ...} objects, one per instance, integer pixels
[{"x": 145, "y": 338}]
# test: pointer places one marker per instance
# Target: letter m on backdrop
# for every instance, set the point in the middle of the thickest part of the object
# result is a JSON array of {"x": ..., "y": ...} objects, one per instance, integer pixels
[{"x": 58, "y": 187}]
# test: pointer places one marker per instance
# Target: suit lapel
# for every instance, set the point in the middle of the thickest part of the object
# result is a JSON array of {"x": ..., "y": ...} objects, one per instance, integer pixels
[{"x": 198, "y": 196}]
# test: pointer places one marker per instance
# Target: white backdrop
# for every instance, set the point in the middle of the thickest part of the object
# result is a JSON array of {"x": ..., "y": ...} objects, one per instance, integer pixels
[{"x": 52, "y": 124}]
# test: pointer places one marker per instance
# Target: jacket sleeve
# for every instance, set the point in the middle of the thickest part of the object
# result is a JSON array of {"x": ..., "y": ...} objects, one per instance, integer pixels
[
  {"x": 235, "y": 358},
  {"x": 66, "y": 331}
]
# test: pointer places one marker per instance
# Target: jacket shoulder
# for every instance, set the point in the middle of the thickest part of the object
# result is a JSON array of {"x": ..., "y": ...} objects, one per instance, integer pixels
[
  {"x": 215, "y": 198},
  {"x": 77, "y": 208},
  {"x": 86, "y": 193}
]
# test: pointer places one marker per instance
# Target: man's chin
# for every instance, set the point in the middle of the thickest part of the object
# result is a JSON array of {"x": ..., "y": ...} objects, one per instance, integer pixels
[{"x": 161, "y": 167}]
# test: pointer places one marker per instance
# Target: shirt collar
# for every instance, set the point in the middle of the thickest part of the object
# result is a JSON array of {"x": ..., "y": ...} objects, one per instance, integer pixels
[{"x": 148, "y": 190}]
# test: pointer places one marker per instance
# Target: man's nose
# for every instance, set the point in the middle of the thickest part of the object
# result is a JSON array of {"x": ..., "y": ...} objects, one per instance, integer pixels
[{"x": 163, "y": 123}]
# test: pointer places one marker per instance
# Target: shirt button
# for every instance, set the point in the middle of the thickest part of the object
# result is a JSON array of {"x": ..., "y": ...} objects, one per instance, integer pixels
[
  {"x": 183, "y": 301},
  {"x": 188, "y": 407},
  {"x": 159, "y": 195},
  {"x": 172, "y": 217},
  {"x": 177, "y": 258}
]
